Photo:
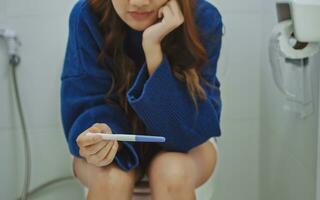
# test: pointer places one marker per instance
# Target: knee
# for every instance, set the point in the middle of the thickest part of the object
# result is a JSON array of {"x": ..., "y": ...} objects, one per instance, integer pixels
[
  {"x": 112, "y": 176},
  {"x": 174, "y": 171}
]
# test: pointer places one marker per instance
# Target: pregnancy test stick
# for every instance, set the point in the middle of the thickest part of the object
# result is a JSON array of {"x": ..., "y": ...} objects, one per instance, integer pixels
[{"x": 131, "y": 138}]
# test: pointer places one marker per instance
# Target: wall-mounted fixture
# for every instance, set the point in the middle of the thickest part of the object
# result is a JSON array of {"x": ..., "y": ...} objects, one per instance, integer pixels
[{"x": 294, "y": 40}]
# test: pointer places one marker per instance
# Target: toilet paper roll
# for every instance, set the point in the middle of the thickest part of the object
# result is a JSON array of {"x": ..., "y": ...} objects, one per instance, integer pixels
[{"x": 283, "y": 40}]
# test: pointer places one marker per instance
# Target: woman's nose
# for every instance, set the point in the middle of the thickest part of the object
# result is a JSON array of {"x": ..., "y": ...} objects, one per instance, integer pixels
[{"x": 139, "y": 3}]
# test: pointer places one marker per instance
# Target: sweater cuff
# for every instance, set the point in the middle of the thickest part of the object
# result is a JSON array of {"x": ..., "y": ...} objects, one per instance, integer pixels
[
  {"x": 144, "y": 84},
  {"x": 126, "y": 158},
  {"x": 164, "y": 105},
  {"x": 151, "y": 98},
  {"x": 139, "y": 83}
]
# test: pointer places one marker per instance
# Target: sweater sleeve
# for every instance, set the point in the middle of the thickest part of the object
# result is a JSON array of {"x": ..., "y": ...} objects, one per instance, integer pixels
[
  {"x": 163, "y": 102},
  {"x": 83, "y": 88}
]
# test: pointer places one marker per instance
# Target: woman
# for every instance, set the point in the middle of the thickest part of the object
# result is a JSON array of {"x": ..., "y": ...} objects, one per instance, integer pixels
[{"x": 151, "y": 72}]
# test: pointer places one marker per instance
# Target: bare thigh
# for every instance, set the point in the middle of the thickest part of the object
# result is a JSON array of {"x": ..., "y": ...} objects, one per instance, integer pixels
[
  {"x": 196, "y": 166},
  {"x": 205, "y": 158},
  {"x": 88, "y": 174}
]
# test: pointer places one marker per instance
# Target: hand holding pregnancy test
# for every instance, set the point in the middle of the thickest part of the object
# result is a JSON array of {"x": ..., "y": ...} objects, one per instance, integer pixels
[{"x": 130, "y": 137}]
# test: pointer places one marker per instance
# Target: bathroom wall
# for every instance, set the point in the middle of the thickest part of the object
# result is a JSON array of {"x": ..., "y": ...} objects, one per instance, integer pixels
[
  {"x": 288, "y": 143},
  {"x": 239, "y": 72},
  {"x": 42, "y": 28},
  {"x": 41, "y": 25}
]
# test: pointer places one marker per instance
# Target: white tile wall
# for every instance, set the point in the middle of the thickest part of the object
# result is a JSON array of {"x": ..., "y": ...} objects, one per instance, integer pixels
[
  {"x": 22, "y": 8},
  {"x": 230, "y": 6},
  {"x": 239, "y": 72},
  {"x": 42, "y": 27},
  {"x": 10, "y": 155},
  {"x": 42, "y": 24},
  {"x": 240, "y": 86},
  {"x": 39, "y": 71},
  {"x": 238, "y": 175},
  {"x": 288, "y": 144}
]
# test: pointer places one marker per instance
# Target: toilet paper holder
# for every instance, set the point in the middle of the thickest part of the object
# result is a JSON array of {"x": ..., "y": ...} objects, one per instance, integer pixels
[
  {"x": 305, "y": 16},
  {"x": 290, "y": 49}
]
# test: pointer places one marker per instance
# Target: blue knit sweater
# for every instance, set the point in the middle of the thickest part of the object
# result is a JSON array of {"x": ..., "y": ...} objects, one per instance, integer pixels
[{"x": 160, "y": 101}]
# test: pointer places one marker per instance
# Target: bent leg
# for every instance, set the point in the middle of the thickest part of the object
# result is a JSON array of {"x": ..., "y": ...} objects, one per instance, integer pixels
[
  {"x": 175, "y": 175},
  {"x": 108, "y": 182},
  {"x": 205, "y": 158}
]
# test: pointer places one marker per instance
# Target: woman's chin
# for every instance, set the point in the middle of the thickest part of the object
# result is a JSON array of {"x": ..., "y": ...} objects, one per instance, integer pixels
[{"x": 139, "y": 26}]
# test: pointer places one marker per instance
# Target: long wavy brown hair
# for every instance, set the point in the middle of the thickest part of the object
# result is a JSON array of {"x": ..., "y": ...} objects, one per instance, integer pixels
[{"x": 184, "y": 40}]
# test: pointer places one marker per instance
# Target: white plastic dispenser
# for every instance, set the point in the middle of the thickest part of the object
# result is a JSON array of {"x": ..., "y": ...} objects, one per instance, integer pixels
[{"x": 294, "y": 40}]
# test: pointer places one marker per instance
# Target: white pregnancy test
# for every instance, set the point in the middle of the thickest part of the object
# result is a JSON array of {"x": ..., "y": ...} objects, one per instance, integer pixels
[{"x": 131, "y": 138}]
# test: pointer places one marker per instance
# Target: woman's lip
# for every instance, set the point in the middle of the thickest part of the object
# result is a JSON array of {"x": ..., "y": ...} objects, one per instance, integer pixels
[
  {"x": 141, "y": 12},
  {"x": 140, "y": 15}
]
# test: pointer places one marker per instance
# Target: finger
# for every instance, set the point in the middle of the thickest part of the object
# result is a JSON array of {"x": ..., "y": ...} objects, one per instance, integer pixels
[
  {"x": 169, "y": 5},
  {"x": 174, "y": 5},
  {"x": 93, "y": 129},
  {"x": 111, "y": 155},
  {"x": 160, "y": 12},
  {"x": 101, "y": 127},
  {"x": 167, "y": 15},
  {"x": 176, "y": 9},
  {"x": 94, "y": 148},
  {"x": 88, "y": 139},
  {"x": 104, "y": 152},
  {"x": 95, "y": 158},
  {"x": 167, "y": 11},
  {"x": 82, "y": 153}
]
